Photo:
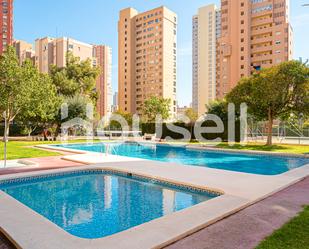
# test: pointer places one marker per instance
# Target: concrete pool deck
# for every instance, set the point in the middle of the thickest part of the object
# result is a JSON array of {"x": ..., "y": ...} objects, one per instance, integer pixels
[
  {"x": 247, "y": 228},
  {"x": 30, "y": 230}
]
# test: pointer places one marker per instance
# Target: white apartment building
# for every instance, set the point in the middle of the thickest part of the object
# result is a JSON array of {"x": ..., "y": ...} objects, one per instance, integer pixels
[{"x": 206, "y": 29}]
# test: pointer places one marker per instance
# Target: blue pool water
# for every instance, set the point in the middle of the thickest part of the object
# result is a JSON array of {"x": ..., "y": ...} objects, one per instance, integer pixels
[
  {"x": 248, "y": 163},
  {"x": 97, "y": 204}
]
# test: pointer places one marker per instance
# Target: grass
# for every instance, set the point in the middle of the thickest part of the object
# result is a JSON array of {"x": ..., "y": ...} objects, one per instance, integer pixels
[
  {"x": 293, "y": 235},
  {"x": 294, "y": 149},
  {"x": 25, "y": 149},
  {"x": 280, "y": 148}
]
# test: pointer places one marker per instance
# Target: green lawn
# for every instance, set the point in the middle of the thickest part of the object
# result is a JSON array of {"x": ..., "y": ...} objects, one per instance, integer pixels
[
  {"x": 23, "y": 149},
  {"x": 297, "y": 149},
  {"x": 293, "y": 235}
]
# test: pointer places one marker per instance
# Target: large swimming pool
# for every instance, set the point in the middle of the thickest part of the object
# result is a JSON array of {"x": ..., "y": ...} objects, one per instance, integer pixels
[
  {"x": 240, "y": 162},
  {"x": 95, "y": 204}
]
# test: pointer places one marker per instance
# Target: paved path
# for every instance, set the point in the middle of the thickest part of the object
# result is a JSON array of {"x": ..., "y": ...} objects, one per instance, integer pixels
[
  {"x": 244, "y": 230},
  {"x": 247, "y": 228},
  {"x": 44, "y": 163}
]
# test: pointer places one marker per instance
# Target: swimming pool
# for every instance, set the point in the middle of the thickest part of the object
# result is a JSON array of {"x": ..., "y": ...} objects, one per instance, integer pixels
[
  {"x": 94, "y": 204},
  {"x": 240, "y": 162}
]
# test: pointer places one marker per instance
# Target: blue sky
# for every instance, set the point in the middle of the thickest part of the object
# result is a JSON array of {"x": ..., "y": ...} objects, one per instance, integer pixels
[{"x": 95, "y": 21}]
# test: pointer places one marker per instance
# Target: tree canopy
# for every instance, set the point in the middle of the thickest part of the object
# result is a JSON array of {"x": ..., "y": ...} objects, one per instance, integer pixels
[
  {"x": 274, "y": 93},
  {"x": 156, "y": 106},
  {"x": 77, "y": 77},
  {"x": 25, "y": 93},
  {"x": 191, "y": 114}
]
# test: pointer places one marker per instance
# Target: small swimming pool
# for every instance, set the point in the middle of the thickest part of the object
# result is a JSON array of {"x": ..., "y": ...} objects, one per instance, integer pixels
[
  {"x": 94, "y": 204},
  {"x": 240, "y": 162}
]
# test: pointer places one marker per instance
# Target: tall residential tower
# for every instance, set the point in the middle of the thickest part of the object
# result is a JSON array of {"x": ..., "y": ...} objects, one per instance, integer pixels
[
  {"x": 53, "y": 51},
  {"x": 147, "y": 48},
  {"x": 103, "y": 55},
  {"x": 6, "y": 24},
  {"x": 206, "y": 31},
  {"x": 255, "y": 34}
]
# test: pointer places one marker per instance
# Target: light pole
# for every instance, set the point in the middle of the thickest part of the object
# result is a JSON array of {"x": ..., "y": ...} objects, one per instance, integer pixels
[{"x": 5, "y": 137}]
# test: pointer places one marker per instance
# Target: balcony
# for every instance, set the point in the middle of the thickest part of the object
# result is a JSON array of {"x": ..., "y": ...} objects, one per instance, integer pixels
[
  {"x": 262, "y": 39},
  {"x": 262, "y": 49},
  {"x": 262, "y": 13},
  {"x": 262, "y": 31},
  {"x": 257, "y": 22},
  {"x": 259, "y": 59}
]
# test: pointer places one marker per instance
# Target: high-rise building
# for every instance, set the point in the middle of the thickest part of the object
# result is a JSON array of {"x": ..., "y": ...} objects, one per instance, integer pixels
[
  {"x": 255, "y": 34},
  {"x": 24, "y": 51},
  {"x": 6, "y": 24},
  {"x": 147, "y": 57},
  {"x": 103, "y": 55},
  {"x": 115, "y": 102},
  {"x": 53, "y": 51},
  {"x": 206, "y": 30}
]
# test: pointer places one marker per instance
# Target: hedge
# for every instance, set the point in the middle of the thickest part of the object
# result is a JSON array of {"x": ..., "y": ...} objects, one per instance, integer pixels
[{"x": 150, "y": 128}]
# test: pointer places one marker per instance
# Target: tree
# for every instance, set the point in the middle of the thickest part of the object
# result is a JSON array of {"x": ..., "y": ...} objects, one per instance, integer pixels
[
  {"x": 22, "y": 88},
  {"x": 191, "y": 114},
  {"x": 219, "y": 108},
  {"x": 77, "y": 77},
  {"x": 127, "y": 116},
  {"x": 156, "y": 106},
  {"x": 274, "y": 93},
  {"x": 77, "y": 107},
  {"x": 39, "y": 112}
]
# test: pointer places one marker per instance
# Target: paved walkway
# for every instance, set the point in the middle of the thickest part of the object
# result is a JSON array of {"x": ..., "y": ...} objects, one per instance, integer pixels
[
  {"x": 245, "y": 229},
  {"x": 44, "y": 163}
]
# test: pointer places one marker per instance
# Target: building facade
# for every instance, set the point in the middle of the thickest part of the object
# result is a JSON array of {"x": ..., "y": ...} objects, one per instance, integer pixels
[
  {"x": 256, "y": 34},
  {"x": 147, "y": 50},
  {"x": 103, "y": 55},
  {"x": 206, "y": 30},
  {"x": 24, "y": 51},
  {"x": 53, "y": 51},
  {"x": 6, "y": 24},
  {"x": 115, "y": 102}
]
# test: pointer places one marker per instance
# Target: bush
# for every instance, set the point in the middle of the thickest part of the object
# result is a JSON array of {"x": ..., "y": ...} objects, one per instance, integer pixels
[
  {"x": 15, "y": 130},
  {"x": 151, "y": 129}
]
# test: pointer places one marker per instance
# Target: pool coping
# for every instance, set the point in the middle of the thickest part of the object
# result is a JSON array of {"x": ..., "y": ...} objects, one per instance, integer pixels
[
  {"x": 240, "y": 190},
  {"x": 17, "y": 218},
  {"x": 189, "y": 147}
]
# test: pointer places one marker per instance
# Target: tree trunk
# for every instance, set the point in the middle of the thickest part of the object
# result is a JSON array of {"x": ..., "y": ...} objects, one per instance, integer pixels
[
  {"x": 6, "y": 131},
  {"x": 270, "y": 128}
]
